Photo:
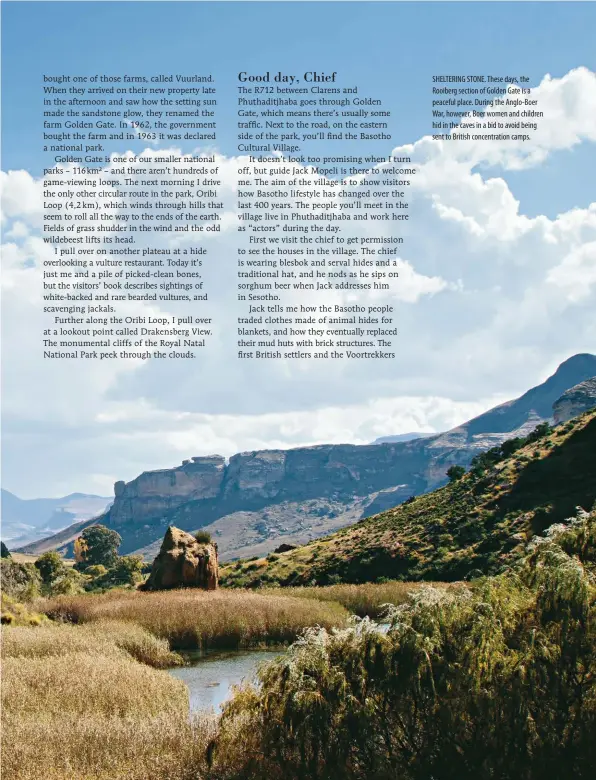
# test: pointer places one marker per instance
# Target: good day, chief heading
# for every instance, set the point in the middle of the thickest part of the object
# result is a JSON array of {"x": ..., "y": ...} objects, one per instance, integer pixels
[{"x": 309, "y": 76}]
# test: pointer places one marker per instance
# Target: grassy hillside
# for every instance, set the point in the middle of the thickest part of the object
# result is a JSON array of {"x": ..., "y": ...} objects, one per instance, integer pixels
[{"x": 475, "y": 525}]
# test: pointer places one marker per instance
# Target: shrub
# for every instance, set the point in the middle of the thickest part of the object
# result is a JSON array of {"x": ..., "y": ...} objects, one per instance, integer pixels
[
  {"x": 496, "y": 680},
  {"x": 50, "y": 566},
  {"x": 203, "y": 537},
  {"x": 454, "y": 473},
  {"x": 19, "y": 580},
  {"x": 126, "y": 571}
]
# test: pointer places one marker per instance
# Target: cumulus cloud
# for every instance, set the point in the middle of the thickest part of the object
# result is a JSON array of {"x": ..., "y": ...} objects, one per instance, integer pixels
[{"x": 488, "y": 301}]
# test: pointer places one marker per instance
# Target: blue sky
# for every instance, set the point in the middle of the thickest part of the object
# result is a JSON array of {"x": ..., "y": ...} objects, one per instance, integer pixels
[
  {"x": 490, "y": 298},
  {"x": 391, "y": 50}
]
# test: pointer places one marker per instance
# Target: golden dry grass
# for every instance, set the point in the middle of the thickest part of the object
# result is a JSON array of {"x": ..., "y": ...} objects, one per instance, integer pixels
[
  {"x": 79, "y": 682},
  {"x": 367, "y": 599},
  {"x": 108, "y": 638},
  {"x": 92, "y": 747},
  {"x": 75, "y": 704},
  {"x": 199, "y": 619},
  {"x": 78, "y": 704},
  {"x": 26, "y": 558}
]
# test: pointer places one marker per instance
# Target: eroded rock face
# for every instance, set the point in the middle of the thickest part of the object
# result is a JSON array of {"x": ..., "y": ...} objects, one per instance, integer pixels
[
  {"x": 576, "y": 400},
  {"x": 183, "y": 562},
  {"x": 277, "y": 493},
  {"x": 155, "y": 493}
]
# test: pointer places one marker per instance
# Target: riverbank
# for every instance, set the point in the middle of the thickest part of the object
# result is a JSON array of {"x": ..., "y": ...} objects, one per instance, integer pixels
[{"x": 84, "y": 693}]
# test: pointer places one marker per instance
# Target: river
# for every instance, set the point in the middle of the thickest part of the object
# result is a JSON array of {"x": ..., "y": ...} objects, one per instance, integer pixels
[{"x": 212, "y": 675}]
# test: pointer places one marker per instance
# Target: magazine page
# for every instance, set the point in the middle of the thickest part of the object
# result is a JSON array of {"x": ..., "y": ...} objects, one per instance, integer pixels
[{"x": 298, "y": 390}]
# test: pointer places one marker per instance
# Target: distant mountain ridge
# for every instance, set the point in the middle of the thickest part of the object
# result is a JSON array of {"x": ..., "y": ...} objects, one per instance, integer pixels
[
  {"x": 260, "y": 499},
  {"x": 401, "y": 437},
  {"x": 29, "y": 520}
]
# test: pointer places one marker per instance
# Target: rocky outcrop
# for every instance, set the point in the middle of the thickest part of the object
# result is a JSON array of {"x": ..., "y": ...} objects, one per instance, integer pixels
[
  {"x": 277, "y": 496},
  {"x": 183, "y": 562},
  {"x": 576, "y": 400},
  {"x": 155, "y": 493}
]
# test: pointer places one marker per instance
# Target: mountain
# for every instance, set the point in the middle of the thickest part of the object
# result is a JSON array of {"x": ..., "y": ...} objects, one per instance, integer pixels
[
  {"x": 576, "y": 400},
  {"x": 475, "y": 525},
  {"x": 261, "y": 499},
  {"x": 401, "y": 437},
  {"x": 537, "y": 402},
  {"x": 28, "y": 520}
]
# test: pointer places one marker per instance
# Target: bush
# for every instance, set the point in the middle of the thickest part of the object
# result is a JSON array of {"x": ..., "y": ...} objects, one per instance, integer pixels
[
  {"x": 496, "y": 680},
  {"x": 127, "y": 570},
  {"x": 21, "y": 581},
  {"x": 454, "y": 473},
  {"x": 203, "y": 537},
  {"x": 69, "y": 583},
  {"x": 50, "y": 566}
]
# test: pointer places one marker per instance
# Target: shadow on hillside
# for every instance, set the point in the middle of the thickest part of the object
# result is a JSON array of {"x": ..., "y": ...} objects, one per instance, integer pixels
[{"x": 555, "y": 485}]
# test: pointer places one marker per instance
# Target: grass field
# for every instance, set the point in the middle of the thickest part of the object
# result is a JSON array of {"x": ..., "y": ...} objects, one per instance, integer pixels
[{"x": 367, "y": 600}]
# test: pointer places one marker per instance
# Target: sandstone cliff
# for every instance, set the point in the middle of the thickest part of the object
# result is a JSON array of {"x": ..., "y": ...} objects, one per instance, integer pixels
[{"x": 261, "y": 499}]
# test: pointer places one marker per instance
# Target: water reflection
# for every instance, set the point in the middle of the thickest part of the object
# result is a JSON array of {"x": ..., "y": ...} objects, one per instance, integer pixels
[{"x": 211, "y": 677}]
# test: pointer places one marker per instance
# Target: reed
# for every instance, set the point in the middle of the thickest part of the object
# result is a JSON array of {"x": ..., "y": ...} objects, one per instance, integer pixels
[
  {"x": 190, "y": 619},
  {"x": 369, "y": 599},
  {"x": 95, "y": 747},
  {"x": 107, "y": 638},
  {"x": 75, "y": 703}
]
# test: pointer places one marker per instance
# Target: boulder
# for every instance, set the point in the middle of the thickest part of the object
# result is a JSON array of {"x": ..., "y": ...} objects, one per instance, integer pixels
[{"x": 183, "y": 562}]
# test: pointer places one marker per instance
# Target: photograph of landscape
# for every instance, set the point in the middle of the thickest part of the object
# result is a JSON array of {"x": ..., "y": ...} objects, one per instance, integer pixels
[{"x": 298, "y": 390}]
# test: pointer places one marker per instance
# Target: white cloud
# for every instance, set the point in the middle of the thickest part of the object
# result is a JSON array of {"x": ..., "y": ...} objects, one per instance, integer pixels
[
  {"x": 488, "y": 301},
  {"x": 577, "y": 273}
]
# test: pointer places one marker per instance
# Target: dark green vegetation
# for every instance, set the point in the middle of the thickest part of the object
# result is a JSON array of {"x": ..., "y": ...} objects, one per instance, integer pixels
[
  {"x": 477, "y": 524},
  {"x": 455, "y": 472},
  {"x": 96, "y": 550},
  {"x": 97, "y": 545},
  {"x": 491, "y": 682},
  {"x": 51, "y": 575}
]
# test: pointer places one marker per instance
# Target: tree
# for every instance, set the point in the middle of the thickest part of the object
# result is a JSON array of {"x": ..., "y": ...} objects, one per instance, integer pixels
[
  {"x": 4, "y": 551},
  {"x": 126, "y": 571},
  {"x": 50, "y": 566},
  {"x": 541, "y": 430},
  {"x": 97, "y": 545},
  {"x": 455, "y": 472}
]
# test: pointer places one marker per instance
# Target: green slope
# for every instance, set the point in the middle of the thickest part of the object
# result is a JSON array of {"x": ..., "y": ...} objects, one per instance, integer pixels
[{"x": 477, "y": 524}]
